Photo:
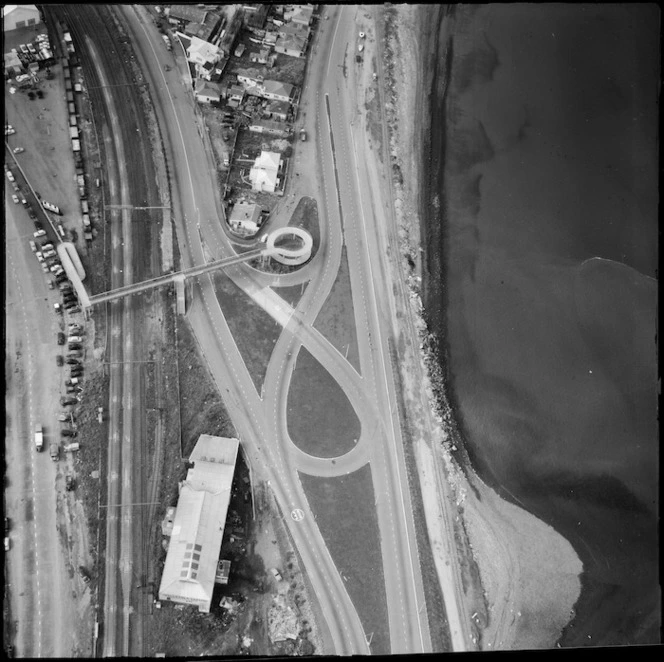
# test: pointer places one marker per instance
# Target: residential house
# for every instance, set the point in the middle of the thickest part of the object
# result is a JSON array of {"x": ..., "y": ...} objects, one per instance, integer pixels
[
  {"x": 299, "y": 14},
  {"x": 270, "y": 38},
  {"x": 236, "y": 94},
  {"x": 207, "y": 92},
  {"x": 244, "y": 218},
  {"x": 255, "y": 17},
  {"x": 264, "y": 175},
  {"x": 239, "y": 50},
  {"x": 278, "y": 110},
  {"x": 292, "y": 45},
  {"x": 182, "y": 14},
  {"x": 206, "y": 30},
  {"x": 261, "y": 57},
  {"x": 250, "y": 79},
  {"x": 277, "y": 91},
  {"x": 270, "y": 127},
  {"x": 201, "y": 52},
  {"x": 293, "y": 30}
]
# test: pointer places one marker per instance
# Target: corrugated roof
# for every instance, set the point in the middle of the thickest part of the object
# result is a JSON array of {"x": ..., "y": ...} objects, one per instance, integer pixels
[{"x": 198, "y": 526}]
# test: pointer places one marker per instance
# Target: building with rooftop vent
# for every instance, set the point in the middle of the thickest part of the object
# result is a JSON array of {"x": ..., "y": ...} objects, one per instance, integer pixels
[{"x": 192, "y": 559}]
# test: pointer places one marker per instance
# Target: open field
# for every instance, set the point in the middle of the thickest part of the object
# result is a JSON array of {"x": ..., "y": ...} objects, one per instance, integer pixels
[
  {"x": 336, "y": 320},
  {"x": 344, "y": 508},
  {"x": 321, "y": 420},
  {"x": 254, "y": 331},
  {"x": 291, "y": 294}
]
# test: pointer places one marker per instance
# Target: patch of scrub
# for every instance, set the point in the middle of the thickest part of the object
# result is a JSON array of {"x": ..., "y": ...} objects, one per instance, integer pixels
[{"x": 321, "y": 420}]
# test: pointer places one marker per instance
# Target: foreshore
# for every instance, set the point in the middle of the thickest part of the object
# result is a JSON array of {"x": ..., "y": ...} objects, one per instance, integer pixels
[{"x": 520, "y": 577}]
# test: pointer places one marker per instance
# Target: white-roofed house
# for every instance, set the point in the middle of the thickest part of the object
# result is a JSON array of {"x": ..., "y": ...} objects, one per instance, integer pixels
[
  {"x": 244, "y": 218},
  {"x": 198, "y": 526},
  {"x": 264, "y": 175},
  {"x": 203, "y": 55}
]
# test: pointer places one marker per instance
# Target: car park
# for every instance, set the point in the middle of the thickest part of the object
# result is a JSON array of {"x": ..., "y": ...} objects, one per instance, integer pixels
[
  {"x": 59, "y": 360},
  {"x": 61, "y": 338},
  {"x": 15, "y": 198}
]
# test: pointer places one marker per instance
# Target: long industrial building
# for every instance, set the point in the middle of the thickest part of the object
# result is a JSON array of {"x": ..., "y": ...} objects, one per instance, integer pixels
[{"x": 198, "y": 525}]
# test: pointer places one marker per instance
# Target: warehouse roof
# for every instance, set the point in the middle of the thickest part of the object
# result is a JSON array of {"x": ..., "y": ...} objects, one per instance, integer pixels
[{"x": 198, "y": 526}]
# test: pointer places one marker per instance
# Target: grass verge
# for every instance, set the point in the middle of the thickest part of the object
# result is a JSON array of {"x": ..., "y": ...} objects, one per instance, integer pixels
[
  {"x": 292, "y": 294},
  {"x": 254, "y": 331},
  {"x": 336, "y": 320},
  {"x": 346, "y": 517},
  {"x": 321, "y": 420}
]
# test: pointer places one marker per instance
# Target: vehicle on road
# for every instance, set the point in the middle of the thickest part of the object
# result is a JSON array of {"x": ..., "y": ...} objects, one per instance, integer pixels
[
  {"x": 54, "y": 450},
  {"x": 18, "y": 150},
  {"x": 61, "y": 338},
  {"x": 15, "y": 198},
  {"x": 59, "y": 360},
  {"x": 39, "y": 437}
]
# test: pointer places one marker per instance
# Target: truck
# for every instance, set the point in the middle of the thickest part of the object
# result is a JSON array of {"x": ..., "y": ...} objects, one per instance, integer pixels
[
  {"x": 54, "y": 450},
  {"x": 39, "y": 438}
]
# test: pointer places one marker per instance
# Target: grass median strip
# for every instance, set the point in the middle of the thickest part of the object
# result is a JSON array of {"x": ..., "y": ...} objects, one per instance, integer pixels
[
  {"x": 321, "y": 420},
  {"x": 346, "y": 516}
]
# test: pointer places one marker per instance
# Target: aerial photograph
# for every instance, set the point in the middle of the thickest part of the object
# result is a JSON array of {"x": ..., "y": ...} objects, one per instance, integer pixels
[{"x": 331, "y": 329}]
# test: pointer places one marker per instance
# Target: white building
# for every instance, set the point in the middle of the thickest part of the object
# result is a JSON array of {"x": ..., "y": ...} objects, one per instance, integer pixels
[
  {"x": 198, "y": 525},
  {"x": 201, "y": 52},
  {"x": 244, "y": 218},
  {"x": 19, "y": 16},
  {"x": 264, "y": 175}
]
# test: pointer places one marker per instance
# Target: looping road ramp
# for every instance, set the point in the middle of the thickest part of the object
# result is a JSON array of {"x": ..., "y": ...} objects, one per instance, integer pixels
[{"x": 294, "y": 247}]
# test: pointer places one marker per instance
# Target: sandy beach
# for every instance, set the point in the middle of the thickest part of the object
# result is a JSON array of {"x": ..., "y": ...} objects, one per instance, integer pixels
[{"x": 520, "y": 578}]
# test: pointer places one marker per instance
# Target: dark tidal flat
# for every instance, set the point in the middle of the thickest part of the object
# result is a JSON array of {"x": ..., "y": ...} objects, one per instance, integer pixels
[{"x": 540, "y": 281}]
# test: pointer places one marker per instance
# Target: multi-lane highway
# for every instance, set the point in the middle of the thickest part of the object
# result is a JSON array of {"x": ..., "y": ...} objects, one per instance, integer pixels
[{"x": 261, "y": 421}]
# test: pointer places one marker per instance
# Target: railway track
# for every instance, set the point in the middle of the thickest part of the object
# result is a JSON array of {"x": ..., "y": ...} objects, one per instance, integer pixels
[{"x": 117, "y": 108}]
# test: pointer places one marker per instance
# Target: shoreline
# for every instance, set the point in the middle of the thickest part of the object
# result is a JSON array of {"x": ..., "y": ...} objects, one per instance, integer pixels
[{"x": 509, "y": 566}]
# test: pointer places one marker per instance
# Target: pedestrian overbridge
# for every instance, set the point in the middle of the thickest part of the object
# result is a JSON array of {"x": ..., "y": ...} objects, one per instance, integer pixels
[{"x": 287, "y": 254}]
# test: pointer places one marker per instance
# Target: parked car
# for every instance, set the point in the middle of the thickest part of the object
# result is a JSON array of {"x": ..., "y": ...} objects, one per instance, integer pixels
[
  {"x": 7, "y": 544},
  {"x": 69, "y": 483},
  {"x": 75, "y": 345},
  {"x": 61, "y": 338},
  {"x": 18, "y": 150},
  {"x": 72, "y": 361},
  {"x": 39, "y": 233},
  {"x": 59, "y": 360},
  {"x": 33, "y": 246},
  {"x": 48, "y": 253},
  {"x": 75, "y": 328},
  {"x": 15, "y": 198},
  {"x": 9, "y": 130},
  {"x": 47, "y": 247},
  {"x": 84, "y": 574},
  {"x": 10, "y": 176},
  {"x": 68, "y": 401},
  {"x": 66, "y": 432},
  {"x": 74, "y": 309}
]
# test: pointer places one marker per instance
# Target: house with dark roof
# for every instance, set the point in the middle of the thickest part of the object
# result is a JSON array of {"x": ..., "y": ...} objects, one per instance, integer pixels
[
  {"x": 292, "y": 45},
  {"x": 185, "y": 14},
  {"x": 278, "y": 110}
]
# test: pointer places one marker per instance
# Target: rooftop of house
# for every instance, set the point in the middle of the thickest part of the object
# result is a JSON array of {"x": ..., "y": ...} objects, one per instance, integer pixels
[{"x": 187, "y": 13}]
